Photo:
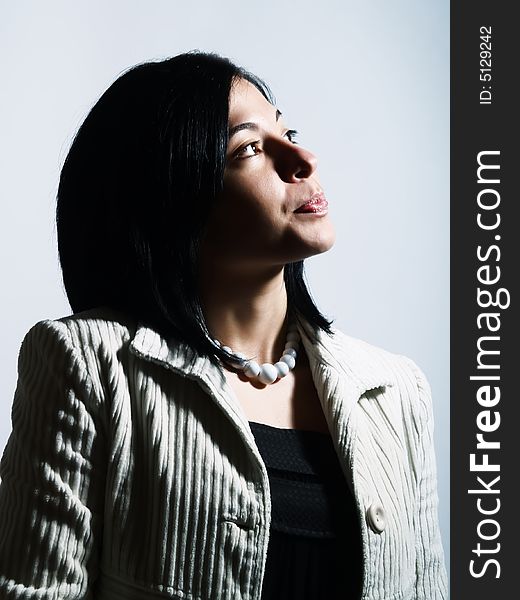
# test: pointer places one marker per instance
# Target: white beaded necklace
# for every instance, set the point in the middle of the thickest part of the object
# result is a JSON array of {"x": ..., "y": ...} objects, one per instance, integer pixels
[{"x": 268, "y": 373}]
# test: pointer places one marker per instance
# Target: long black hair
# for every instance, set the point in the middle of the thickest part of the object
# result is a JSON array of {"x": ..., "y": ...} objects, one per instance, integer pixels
[{"x": 153, "y": 146}]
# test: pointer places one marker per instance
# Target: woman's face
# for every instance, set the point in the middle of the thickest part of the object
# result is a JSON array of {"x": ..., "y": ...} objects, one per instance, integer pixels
[{"x": 267, "y": 178}]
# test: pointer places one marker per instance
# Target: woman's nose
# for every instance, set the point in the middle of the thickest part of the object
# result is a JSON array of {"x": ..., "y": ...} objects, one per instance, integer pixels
[{"x": 295, "y": 162}]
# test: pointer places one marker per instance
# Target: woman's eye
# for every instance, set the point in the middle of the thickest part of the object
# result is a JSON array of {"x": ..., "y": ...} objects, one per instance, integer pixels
[
  {"x": 251, "y": 149},
  {"x": 243, "y": 151},
  {"x": 291, "y": 135}
]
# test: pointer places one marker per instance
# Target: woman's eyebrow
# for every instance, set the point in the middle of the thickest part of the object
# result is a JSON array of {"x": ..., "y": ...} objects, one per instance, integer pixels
[{"x": 248, "y": 125}]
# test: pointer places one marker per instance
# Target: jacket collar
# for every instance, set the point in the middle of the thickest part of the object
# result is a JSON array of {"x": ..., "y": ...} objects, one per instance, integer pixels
[
  {"x": 359, "y": 365},
  {"x": 342, "y": 368},
  {"x": 355, "y": 361}
]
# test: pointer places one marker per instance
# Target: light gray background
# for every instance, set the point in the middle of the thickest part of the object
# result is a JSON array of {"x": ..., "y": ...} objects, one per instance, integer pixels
[{"x": 365, "y": 82}]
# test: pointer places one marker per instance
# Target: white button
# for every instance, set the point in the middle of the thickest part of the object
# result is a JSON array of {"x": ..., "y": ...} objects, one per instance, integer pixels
[{"x": 376, "y": 517}]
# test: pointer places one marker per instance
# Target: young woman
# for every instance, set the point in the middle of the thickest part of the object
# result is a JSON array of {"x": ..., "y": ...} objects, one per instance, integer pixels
[{"x": 197, "y": 429}]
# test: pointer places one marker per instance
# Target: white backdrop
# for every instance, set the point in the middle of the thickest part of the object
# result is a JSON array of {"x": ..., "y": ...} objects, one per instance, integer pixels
[{"x": 365, "y": 82}]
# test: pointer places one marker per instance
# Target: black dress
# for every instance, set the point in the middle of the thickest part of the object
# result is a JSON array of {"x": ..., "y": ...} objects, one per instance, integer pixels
[{"x": 314, "y": 547}]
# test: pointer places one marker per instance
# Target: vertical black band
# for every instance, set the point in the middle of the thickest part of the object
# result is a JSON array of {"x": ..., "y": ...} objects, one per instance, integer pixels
[{"x": 485, "y": 267}]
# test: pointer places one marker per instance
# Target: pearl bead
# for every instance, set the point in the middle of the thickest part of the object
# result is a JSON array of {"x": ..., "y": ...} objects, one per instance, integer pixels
[
  {"x": 292, "y": 344},
  {"x": 239, "y": 363},
  {"x": 268, "y": 373},
  {"x": 289, "y": 360},
  {"x": 282, "y": 368},
  {"x": 252, "y": 369}
]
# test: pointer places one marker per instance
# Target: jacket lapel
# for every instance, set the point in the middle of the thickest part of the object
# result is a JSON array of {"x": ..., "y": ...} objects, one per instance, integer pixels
[
  {"x": 342, "y": 368},
  {"x": 185, "y": 361}
]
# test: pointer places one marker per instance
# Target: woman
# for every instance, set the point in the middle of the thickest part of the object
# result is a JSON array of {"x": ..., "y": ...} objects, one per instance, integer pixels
[{"x": 147, "y": 458}]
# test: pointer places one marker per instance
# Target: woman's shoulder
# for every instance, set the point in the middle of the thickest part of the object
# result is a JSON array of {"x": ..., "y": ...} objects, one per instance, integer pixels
[
  {"x": 378, "y": 367},
  {"x": 83, "y": 336},
  {"x": 99, "y": 323}
]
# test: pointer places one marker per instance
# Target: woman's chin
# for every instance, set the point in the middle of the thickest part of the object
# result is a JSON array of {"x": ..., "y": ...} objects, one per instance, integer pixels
[
  {"x": 324, "y": 246},
  {"x": 317, "y": 245},
  {"x": 323, "y": 239}
]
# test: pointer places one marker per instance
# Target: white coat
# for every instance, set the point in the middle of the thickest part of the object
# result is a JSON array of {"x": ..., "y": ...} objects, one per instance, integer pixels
[{"x": 132, "y": 472}]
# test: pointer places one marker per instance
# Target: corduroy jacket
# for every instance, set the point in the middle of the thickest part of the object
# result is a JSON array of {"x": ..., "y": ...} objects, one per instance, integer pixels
[{"x": 131, "y": 471}]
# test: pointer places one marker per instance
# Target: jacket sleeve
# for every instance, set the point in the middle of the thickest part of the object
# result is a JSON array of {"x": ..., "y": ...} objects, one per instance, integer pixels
[
  {"x": 431, "y": 576},
  {"x": 52, "y": 473}
]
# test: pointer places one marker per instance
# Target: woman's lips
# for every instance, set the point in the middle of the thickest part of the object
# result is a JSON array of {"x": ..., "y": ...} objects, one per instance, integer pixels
[{"x": 317, "y": 204}]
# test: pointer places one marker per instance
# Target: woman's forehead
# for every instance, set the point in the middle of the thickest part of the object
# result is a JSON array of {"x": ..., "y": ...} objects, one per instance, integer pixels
[{"x": 247, "y": 103}]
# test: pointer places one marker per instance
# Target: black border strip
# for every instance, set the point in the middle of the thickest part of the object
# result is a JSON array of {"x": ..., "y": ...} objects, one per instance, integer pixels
[{"x": 484, "y": 130}]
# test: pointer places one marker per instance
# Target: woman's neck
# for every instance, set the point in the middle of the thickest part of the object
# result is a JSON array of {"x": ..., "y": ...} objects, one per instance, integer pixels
[{"x": 246, "y": 312}]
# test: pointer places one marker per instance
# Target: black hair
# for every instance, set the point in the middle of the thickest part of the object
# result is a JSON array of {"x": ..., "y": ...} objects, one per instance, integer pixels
[{"x": 154, "y": 144}]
